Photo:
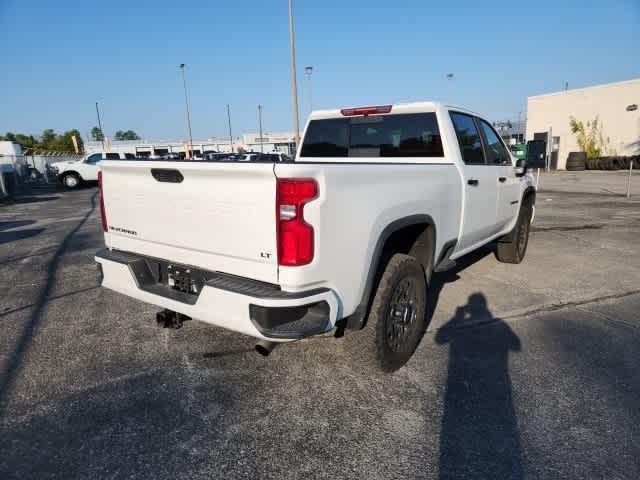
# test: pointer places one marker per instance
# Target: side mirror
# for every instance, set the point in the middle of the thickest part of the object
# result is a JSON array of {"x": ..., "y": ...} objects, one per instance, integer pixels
[{"x": 521, "y": 167}]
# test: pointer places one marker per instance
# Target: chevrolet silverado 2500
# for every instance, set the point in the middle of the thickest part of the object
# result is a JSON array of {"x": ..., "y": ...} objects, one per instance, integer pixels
[{"x": 349, "y": 234}]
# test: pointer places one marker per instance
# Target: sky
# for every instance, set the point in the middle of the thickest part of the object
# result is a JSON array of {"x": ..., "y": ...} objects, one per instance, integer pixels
[{"x": 60, "y": 57}]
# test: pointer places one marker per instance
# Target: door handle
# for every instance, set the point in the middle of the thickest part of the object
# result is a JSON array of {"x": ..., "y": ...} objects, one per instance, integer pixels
[
  {"x": 170, "y": 175},
  {"x": 502, "y": 179},
  {"x": 473, "y": 181}
]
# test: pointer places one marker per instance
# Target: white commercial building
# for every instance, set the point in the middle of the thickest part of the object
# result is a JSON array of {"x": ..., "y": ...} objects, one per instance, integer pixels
[
  {"x": 616, "y": 105},
  {"x": 270, "y": 142}
]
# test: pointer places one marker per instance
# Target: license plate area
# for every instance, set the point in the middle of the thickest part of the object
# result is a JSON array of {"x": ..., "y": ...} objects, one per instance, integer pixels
[{"x": 185, "y": 279}]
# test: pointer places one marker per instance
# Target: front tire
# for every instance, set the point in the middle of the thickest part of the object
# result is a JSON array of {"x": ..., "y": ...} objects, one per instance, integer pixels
[
  {"x": 71, "y": 180},
  {"x": 513, "y": 246},
  {"x": 396, "y": 321}
]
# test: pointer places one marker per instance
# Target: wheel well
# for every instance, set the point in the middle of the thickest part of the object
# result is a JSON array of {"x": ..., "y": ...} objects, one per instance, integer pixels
[
  {"x": 417, "y": 240},
  {"x": 415, "y": 236},
  {"x": 529, "y": 193},
  {"x": 70, "y": 172}
]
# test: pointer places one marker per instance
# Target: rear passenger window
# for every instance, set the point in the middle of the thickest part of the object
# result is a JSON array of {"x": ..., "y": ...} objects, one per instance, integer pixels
[
  {"x": 403, "y": 135},
  {"x": 326, "y": 138},
  {"x": 112, "y": 156},
  {"x": 468, "y": 138},
  {"x": 496, "y": 153}
]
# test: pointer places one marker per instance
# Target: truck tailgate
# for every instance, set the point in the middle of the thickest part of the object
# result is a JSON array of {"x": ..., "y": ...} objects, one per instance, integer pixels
[{"x": 216, "y": 216}]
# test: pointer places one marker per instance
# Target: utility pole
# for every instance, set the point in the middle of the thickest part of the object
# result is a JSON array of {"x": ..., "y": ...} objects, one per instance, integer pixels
[
  {"x": 520, "y": 129},
  {"x": 229, "y": 119},
  {"x": 294, "y": 82},
  {"x": 308, "y": 71},
  {"x": 186, "y": 104},
  {"x": 100, "y": 125},
  {"x": 260, "y": 123}
]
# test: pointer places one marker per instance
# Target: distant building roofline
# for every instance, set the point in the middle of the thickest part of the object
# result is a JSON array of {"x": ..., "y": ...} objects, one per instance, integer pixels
[{"x": 571, "y": 90}]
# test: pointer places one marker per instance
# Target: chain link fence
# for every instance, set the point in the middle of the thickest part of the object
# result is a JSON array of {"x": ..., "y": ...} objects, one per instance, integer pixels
[{"x": 26, "y": 170}]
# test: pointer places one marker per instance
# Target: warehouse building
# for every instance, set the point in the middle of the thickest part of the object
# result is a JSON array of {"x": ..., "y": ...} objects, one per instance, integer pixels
[
  {"x": 270, "y": 142},
  {"x": 616, "y": 105}
]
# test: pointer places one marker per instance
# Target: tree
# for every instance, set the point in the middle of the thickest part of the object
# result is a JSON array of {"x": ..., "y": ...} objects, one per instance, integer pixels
[
  {"x": 26, "y": 141},
  {"x": 96, "y": 134},
  {"x": 589, "y": 136},
  {"x": 128, "y": 135},
  {"x": 132, "y": 135},
  {"x": 64, "y": 143},
  {"x": 47, "y": 139}
]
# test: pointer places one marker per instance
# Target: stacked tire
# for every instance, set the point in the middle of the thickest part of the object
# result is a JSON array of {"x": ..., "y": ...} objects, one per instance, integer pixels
[
  {"x": 592, "y": 164},
  {"x": 576, "y": 161},
  {"x": 613, "y": 163}
]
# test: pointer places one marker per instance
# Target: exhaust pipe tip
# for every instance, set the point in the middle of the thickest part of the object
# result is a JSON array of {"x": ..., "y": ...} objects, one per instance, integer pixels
[{"x": 265, "y": 347}]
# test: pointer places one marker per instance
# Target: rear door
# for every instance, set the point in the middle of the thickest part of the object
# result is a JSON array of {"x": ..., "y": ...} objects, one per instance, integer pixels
[
  {"x": 508, "y": 185},
  {"x": 215, "y": 216},
  {"x": 481, "y": 194}
]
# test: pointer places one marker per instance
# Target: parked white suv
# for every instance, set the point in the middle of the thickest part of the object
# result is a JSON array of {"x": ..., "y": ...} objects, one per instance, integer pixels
[
  {"x": 349, "y": 234},
  {"x": 73, "y": 173}
]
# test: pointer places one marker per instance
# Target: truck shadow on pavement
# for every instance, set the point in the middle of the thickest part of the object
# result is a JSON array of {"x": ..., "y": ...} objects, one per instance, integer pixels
[
  {"x": 13, "y": 236},
  {"x": 20, "y": 199},
  {"x": 15, "y": 224}
]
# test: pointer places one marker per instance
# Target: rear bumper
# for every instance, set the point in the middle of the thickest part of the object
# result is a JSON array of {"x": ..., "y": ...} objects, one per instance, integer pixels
[{"x": 243, "y": 305}]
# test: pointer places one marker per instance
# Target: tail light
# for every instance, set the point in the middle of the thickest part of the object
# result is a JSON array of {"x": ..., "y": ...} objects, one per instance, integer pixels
[
  {"x": 102, "y": 214},
  {"x": 349, "y": 112},
  {"x": 295, "y": 236}
]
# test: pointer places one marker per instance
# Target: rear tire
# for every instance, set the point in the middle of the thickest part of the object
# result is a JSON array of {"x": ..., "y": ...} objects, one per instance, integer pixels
[
  {"x": 513, "y": 246},
  {"x": 71, "y": 180},
  {"x": 396, "y": 321}
]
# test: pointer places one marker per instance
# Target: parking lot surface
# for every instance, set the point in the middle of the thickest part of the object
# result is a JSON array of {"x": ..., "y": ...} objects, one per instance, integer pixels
[{"x": 526, "y": 371}]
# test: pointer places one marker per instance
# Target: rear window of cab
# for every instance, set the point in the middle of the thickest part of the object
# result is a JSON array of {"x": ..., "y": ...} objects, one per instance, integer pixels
[{"x": 404, "y": 135}]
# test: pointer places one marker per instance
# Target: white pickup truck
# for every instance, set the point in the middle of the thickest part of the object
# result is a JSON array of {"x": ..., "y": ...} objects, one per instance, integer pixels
[
  {"x": 72, "y": 173},
  {"x": 348, "y": 235}
]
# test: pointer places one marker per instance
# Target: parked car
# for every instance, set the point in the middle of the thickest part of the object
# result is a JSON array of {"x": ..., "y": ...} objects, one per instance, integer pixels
[
  {"x": 72, "y": 173},
  {"x": 246, "y": 157},
  {"x": 281, "y": 157},
  {"x": 218, "y": 156},
  {"x": 377, "y": 200},
  {"x": 274, "y": 157}
]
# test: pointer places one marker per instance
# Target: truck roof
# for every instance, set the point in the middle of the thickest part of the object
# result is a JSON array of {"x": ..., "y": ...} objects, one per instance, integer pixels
[{"x": 397, "y": 108}]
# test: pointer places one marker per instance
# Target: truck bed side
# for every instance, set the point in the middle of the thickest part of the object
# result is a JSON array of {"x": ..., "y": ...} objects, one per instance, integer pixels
[{"x": 356, "y": 203}]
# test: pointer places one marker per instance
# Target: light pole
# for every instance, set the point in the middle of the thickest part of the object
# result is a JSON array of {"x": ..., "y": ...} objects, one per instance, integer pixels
[
  {"x": 229, "y": 120},
  {"x": 631, "y": 108},
  {"x": 186, "y": 105},
  {"x": 100, "y": 125},
  {"x": 294, "y": 82},
  {"x": 260, "y": 123},
  {"x": 308, "y": 71}
]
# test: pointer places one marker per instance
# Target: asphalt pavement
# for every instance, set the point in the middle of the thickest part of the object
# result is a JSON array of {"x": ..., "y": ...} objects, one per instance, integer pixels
[{"x": 527, "y": 371}]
